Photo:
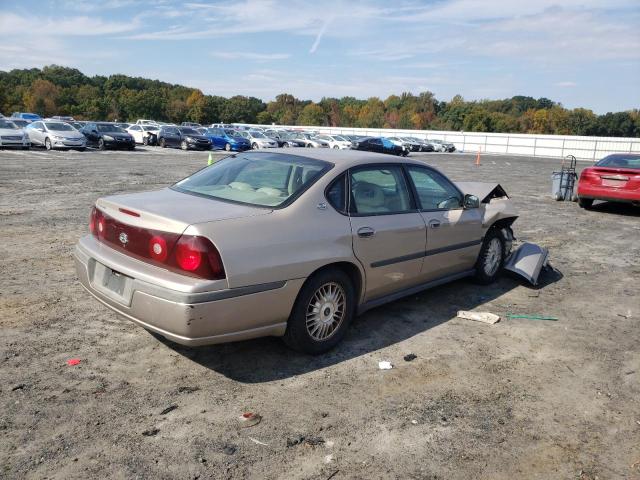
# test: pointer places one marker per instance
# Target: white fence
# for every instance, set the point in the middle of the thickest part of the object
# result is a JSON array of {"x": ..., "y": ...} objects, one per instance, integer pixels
[{"x": 583, "y": 148}]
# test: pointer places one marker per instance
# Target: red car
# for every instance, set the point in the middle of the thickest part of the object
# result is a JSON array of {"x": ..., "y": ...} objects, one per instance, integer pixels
[{"x": 615, "y": 178}]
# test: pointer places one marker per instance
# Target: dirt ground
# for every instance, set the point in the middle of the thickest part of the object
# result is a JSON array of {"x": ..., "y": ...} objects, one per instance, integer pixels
[{"x": 519, "y": 399}]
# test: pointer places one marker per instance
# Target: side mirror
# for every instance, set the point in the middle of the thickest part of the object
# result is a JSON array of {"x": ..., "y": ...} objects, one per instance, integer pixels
[{"x": 471, "y": 201}]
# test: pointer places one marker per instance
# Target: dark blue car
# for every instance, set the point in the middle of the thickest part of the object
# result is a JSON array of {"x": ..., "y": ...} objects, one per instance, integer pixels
[{"x": 228, "y": 139}]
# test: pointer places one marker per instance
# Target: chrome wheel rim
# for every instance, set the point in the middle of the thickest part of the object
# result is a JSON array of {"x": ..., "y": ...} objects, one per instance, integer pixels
[
  {"x": 494, "y": 256},
  {"x": 326, "y": 311}
]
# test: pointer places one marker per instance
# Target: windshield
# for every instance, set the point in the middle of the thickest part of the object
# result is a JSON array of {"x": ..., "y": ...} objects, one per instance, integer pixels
[
  {"x": 189, "y": 131},
  {"x": 257, "y": 134},
  {"x": 232, "y": 133},
  {"x": 173, "y": 131},
  {"x": 105, "y": 127},
  {"x": 7, "y": 124},
  {"x": 20, "y": 123},
  {"x": 620, "y": 161},
  {"x": 262, "y": 179},
  {"x": 338, "y": 138},
  {"x": 149, "y": 128},
  {"x": 59, "y": 127}
]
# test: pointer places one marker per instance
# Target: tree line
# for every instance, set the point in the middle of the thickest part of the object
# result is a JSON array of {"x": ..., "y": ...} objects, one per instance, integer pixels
[{"x": 56, "y": 90}]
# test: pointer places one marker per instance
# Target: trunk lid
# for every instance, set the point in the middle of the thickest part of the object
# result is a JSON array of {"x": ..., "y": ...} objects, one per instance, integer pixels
[
  {"x": 171, "y": 211},
  {"x": 614, "y": 177}
]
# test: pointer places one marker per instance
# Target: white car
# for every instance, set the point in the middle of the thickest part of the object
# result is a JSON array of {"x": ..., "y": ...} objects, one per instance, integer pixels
[
  {"x": 310, "y": 140},
  {"x": 258, "y": 139},
  {"x": 147, "y": 122},
  {"x": 335, "y": 141},
  {"x": 51, "y": 135},
  {"x": 12, "y": 136},
  {"x": 144, "y": 134}
]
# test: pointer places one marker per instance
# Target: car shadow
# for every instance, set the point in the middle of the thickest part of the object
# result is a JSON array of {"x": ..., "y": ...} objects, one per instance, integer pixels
[
  {"x": 616, "y": 208},
  {"x": 269, "y": 359}
]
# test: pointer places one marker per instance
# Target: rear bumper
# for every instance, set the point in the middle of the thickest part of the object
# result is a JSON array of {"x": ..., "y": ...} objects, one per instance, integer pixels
[
  {"x": 608, "y": 193},
  {"x": 188, "y": 316}
]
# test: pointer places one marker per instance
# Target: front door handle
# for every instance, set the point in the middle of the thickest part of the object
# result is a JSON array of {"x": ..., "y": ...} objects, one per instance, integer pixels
[
  {"x": 434, "y": 223},
  {"x": 366, "y": 232}
]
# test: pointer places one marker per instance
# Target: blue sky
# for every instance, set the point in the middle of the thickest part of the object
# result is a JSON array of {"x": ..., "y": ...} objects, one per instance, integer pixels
[{"x": 583, "y": 53}]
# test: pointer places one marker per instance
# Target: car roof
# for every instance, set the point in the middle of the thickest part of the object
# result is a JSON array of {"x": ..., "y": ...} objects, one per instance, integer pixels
[{"x": 346, "y": 158}]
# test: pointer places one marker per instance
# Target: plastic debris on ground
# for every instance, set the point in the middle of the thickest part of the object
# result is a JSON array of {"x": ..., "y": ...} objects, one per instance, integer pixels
[
  {"x": 73, "y": 362},
  {"x": 410, "y": 357},
  {"x": 484, "y": 317},
  {"x": 255, "y": 440},
  {"x": 249, "y": 419},
  {"x": 384, "y": 365}
]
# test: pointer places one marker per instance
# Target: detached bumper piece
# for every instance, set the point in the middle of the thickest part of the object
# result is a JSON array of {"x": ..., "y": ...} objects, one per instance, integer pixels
[{"x": 527, "y": 262}]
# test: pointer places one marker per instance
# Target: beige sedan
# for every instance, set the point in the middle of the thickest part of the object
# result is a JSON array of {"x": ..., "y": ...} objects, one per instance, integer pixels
[{"x": 292, "y": 245}]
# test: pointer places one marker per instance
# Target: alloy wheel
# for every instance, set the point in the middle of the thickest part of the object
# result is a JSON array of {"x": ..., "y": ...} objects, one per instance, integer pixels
[
  {"x": 494, "y": 257},
  {"x": 325, "y": 311}
]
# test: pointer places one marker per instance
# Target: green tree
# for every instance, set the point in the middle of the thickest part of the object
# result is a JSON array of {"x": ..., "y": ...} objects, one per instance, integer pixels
[{"x": 312, "y": 114}]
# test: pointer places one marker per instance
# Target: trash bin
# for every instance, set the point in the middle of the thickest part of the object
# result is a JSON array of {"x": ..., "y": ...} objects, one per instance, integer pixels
[{"x": 562, "y": 185}]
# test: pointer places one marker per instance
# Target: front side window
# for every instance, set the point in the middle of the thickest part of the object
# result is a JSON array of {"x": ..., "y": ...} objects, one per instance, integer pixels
[
  {"x": 379, "y": 190},
  {"x": 435, "y": 192},
  {"x": 8, "y": 125},
  {"x": 262, "y": 179},
  {"x": 170, "y": 131}
]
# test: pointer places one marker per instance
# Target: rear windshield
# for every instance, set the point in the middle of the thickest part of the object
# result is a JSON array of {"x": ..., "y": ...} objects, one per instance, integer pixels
[
  {"x": 105, "y": 127},
  {"x": 620, "y": 161},
  {"x": 59, "y": 127},
  {"x": 261, "y": 179}
]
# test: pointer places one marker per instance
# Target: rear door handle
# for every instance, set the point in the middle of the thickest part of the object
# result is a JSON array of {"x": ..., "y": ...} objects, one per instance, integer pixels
[
  {"x": 434, "y": 223},
  {"x": 365, "y": 232}
]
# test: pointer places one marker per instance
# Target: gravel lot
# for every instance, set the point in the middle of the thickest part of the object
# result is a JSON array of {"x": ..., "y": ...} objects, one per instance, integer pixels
[{"x": 519, "y": 399}]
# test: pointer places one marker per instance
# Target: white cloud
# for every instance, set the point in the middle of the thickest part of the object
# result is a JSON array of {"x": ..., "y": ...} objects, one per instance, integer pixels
[
  {"x": 12, "y": 24},
  {"x": 566, "y": 84}
]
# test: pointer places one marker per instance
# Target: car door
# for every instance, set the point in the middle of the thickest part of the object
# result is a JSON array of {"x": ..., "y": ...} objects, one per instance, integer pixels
[
  {"x": 389, "y": 234},
  {"x": 136, "y": 131},
  {"x": 35, "y": 134},
  {"x": 454, "y": 234}
]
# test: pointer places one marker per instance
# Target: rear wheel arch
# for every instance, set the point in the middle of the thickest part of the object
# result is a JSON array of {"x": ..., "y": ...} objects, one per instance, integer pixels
[{"x": 351, "y": 270}]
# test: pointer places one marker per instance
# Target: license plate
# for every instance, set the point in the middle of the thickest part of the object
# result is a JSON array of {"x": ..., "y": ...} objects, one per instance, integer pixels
[
  {"x": 608, "y": 182},
  {"x": 112, "y": 283}
]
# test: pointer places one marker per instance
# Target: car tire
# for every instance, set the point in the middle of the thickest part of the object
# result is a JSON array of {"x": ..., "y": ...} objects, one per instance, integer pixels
[
  {"x": 47, "y": 144},
  {"x": 491, "y": 257},
  {"x": 285, "y": 145},
  {"x": 585, "y": 203},
  {"x": 309, "y": 145},
  {"x": 336, "y": 147},
  {"x": 227, "y": 147},
  {"x": 314, "y": 332},
  {"x": 101, "y": 145},
  {"x": 184, "y": 145},
  {"x": 163, "y": 143},
  {"x": 254, "y": 146},
  {"x": 145, "y": 141}
]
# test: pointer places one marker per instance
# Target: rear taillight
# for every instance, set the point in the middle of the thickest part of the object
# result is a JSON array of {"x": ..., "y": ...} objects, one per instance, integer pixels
[{"x": 188, "y": 254}]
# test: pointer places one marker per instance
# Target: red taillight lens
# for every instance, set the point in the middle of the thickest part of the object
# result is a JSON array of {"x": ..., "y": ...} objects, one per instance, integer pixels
[{"x": 188, "y": 254}]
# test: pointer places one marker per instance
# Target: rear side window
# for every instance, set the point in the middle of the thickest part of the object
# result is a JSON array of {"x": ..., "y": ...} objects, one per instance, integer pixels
[{"x": 379, "y": 190}]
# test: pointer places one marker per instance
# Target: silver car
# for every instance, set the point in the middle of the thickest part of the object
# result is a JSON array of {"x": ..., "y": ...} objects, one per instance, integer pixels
[
  {"x": 11, "y": 135},
  {"x": 52, "y": 135},
  {"x": 292, "y": 245},
  {"x": 258, "y": 139}
]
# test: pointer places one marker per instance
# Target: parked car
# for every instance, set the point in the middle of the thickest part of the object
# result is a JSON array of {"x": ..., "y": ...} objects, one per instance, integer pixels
[
  {"x": 32, "y": 117},
  {"x": 185, "y": 138},
  {"x": 341, "y": 232},
  {"x": 410, "y": 145},
  {"x": 63, "y": 118},
  {"x": 336, "y": 141},
  {"x": 615, "y": 178},
  {"x": 381, "y": 145},
  {"x": 288, "y": 139},
  {"x": 11, "y": 135},
  {"x": 55, "y": 135},
  {"x": 104, "y": 135},
  {"x": 227, "y": 139},
  {"x": 147, "y": 122},
  {"x": 123, "y": 125},
  {"x": 144, "y": 134},
  {"x": 310, "y": 140},
  {"x": 190, "y": 124},
  {"x": 77, "y": 125},
  {"x": 258, "y": 139},
  {"x": 442, "y": 146},
  {"x": 425, "y": 146}
]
